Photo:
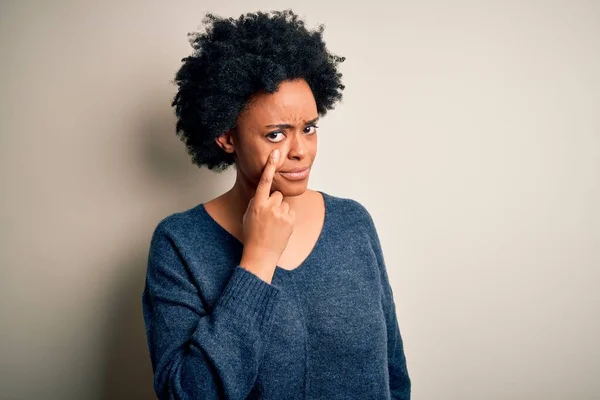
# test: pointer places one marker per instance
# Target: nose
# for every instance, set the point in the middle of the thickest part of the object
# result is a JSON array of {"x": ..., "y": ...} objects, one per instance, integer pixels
[{"x": 297, "y": 146}]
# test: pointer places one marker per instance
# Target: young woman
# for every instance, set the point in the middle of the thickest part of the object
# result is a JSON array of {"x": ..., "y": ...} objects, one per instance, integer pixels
[{"x": 271, "y": 290}]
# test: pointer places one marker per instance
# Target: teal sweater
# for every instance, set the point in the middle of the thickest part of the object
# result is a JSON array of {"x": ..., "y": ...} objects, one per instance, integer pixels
[{"x": 325, "y": 330}]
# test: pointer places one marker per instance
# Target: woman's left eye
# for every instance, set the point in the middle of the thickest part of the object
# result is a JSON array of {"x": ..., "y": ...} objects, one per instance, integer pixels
[{"x": 309, "y": 127}]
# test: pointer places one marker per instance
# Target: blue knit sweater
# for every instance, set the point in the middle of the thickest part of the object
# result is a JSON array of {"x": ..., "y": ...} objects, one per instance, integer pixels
[{"x": 325, "y": 330}]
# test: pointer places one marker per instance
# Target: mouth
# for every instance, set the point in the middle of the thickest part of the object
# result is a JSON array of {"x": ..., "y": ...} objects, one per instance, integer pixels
[{"x": 296, "y": 174}]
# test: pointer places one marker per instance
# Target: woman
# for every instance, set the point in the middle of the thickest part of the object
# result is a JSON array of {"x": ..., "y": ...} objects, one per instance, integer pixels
[{"x": 271, "y": 290}]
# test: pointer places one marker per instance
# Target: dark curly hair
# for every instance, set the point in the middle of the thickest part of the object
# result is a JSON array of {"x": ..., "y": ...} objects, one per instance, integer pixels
[{"x": 236, "y": 58}]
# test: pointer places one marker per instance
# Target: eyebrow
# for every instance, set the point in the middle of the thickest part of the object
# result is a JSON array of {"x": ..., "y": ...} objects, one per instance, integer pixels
[{"x": 288, "y": 126}]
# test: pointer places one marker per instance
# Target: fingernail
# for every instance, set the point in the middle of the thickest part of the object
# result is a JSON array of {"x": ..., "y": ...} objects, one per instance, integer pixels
[{"x": 275, "y": 154}]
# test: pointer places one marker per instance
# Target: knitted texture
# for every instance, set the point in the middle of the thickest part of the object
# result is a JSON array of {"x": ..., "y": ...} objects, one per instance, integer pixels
[{"x": 324, "y": 330}]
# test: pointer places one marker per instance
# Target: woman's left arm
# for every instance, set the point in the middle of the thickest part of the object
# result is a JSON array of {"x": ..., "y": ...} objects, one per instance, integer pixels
[{"x": 400, "y": 383}]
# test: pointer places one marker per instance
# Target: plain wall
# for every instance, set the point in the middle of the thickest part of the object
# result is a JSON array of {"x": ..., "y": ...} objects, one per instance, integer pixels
[{"x": 469, "y": 129}]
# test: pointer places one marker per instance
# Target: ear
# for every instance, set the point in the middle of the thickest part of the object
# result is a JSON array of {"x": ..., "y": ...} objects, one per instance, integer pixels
[{"x": 225, "y": 141}]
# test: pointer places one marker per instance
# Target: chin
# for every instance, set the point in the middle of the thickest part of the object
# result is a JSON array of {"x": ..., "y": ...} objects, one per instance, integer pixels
[{"x": 289, "y": 189}]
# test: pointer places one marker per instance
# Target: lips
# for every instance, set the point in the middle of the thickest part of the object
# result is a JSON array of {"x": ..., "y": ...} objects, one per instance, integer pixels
[
  {"x": 296, "y": 174},
  {"x": 295, "y": 170}
]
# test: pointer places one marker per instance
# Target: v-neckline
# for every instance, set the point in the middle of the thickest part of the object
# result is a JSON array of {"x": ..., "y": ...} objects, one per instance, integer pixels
[{"x": 306, "y": 260}]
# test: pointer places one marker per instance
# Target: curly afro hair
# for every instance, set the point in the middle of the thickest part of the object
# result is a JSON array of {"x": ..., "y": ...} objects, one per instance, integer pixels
[{"x": 236, "y": 58}]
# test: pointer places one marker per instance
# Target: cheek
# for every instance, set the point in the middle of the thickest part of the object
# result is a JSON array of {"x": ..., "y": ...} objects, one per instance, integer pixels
[
  {"x": 258, "y": 163},
  {"x": 311, "y": 147},
  {"x": 255, "y": 165},
  {"x": 251, "y": 158}
]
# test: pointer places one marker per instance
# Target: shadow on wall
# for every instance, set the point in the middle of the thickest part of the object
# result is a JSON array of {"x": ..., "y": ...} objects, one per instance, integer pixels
[{"x": 127, "y": 369}]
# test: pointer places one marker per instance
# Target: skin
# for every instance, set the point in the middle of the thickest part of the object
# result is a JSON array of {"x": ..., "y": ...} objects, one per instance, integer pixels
[{"x": 252, "y": 142}]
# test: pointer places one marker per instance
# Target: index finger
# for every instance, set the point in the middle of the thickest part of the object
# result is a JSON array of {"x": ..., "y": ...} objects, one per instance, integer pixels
[{"x": 263, "y": 190}]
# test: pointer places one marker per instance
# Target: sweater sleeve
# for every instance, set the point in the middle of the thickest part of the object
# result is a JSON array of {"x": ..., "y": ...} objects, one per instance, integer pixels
[
  {"x": 197, "y": 353},
  {"x": 400, "y": 383}
]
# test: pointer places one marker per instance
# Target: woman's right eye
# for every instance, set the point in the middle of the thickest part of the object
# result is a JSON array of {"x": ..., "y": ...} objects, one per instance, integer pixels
[{"x": 273, "y": 136}]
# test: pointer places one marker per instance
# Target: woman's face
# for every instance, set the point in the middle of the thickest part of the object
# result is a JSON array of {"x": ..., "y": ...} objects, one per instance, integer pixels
[{"x": 285, "y": 120}]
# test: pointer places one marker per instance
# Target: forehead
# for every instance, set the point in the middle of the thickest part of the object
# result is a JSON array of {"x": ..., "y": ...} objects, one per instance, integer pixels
[{"x": 293, "y": 100}]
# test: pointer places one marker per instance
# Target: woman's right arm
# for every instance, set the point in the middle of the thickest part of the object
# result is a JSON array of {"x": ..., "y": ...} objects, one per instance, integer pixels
[{"x": 197, "y": 353}]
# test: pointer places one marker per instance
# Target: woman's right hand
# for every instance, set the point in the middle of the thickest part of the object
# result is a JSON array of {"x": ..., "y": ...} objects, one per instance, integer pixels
[{"x": 267, "y": 225}]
